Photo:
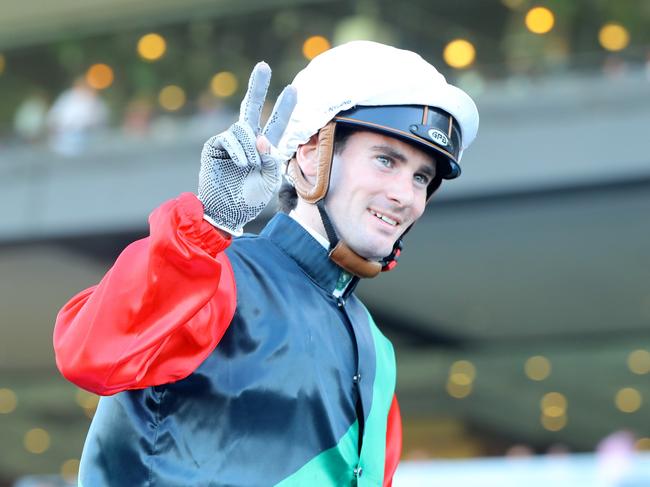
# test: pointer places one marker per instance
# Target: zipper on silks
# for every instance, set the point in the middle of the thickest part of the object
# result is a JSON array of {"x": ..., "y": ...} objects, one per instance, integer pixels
[{"x": 340, "y": 302}]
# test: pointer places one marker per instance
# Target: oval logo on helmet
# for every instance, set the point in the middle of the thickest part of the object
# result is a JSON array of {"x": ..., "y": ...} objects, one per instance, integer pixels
[{"x": 438, "y": 137}]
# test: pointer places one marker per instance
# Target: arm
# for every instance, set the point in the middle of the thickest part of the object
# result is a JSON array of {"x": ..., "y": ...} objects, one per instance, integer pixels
[
  {"x": 157, "y": 313},
  {"x": 167, "y": 301},
  {"x": 393, "y": 442}
]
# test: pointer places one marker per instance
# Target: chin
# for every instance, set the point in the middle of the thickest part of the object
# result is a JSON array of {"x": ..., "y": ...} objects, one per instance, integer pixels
[
  {"x": 376, "y": 252},
  {"x": 370, "y": 245}
]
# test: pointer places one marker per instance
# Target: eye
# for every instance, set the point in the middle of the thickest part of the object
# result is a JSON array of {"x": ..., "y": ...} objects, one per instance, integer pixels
[
  {"x": 422, "y": 179},
  {"x": 385, "y": 161}
]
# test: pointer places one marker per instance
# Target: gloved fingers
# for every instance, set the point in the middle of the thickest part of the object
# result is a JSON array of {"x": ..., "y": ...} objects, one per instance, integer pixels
[
  {"x": 271, "y": 175},
  {"x": 256, "y": 193},
  {"x": 239, "y": 142},
  {"x": 251, "y": 106},
  {"x": 270, "y": 159},
  {"x": 263, "y": 145},
  {"x": 279, "y": 119},
  {"x": 213, "y": 148}
]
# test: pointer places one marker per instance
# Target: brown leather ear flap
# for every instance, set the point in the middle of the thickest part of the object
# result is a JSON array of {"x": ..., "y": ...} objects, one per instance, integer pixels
[
  {"x": 325, "y": 150},
  {"x": 347, "y": 259},
  {"x": 341, "y": 254}
]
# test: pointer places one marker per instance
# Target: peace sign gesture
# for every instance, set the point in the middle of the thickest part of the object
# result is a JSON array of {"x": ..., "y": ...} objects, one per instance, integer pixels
[{"x": 240, "y": 168}]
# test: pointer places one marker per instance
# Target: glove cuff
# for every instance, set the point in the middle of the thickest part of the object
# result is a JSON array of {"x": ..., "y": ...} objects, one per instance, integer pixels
[{"x": 235, "y": 233}]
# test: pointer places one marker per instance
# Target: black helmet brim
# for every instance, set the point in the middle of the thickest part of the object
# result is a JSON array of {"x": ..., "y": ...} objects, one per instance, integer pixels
[{"x": 429, "y": 128}]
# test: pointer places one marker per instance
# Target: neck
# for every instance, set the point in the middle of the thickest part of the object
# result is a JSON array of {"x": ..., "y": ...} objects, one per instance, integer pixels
[{"x": 307, "y": 214}]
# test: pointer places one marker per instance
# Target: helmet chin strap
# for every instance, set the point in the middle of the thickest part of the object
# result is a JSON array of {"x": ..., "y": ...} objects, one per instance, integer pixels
[
  {"x": 342, "y": 254},
  {"x": 339, "y": 251}
]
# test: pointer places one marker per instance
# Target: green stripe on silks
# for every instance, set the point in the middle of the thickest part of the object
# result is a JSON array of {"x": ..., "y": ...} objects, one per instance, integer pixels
[
  {"x": 332, "y": 468},
  {"x": 374, "y": 437},
  {"x": 335, "y": 467}
]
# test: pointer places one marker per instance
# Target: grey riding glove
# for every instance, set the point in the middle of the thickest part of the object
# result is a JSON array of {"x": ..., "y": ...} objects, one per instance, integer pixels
[{"x": 236, "y": 181}]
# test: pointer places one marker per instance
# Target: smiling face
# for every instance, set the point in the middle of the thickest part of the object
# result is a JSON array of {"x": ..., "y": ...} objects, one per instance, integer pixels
[{"x": 378, "y": 188}]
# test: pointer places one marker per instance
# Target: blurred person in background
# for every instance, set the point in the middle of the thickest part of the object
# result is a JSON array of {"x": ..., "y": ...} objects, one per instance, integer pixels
[
  {"x": 242, "y": 360},
  {"x": 30, "y": 116},
  {"x": 73, "y": 116}
]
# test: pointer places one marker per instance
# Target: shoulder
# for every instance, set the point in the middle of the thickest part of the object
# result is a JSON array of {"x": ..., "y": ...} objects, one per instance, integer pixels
[
  {"x": 249, "y": 246},
  {"x": 255, "y": 257}
]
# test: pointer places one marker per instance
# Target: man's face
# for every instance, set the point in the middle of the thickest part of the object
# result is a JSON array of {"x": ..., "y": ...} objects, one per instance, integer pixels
[{"x": 378, "y": 188}]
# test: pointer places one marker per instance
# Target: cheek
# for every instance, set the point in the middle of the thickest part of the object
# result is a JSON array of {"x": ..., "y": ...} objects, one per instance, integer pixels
[
  {"x": 375, "y": 182},
  {"x": 418, "y": 208}
]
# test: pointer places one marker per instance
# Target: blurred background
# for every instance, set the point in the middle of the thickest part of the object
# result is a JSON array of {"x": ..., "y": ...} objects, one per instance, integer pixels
[{"x": 520, "y": 310}]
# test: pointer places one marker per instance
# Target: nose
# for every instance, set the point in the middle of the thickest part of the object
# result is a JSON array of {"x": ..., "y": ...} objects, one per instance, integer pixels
[{"x": 401, "y": 191}]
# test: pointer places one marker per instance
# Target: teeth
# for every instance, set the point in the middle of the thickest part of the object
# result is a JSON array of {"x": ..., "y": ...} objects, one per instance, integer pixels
[{"x": 390, "y": 221}]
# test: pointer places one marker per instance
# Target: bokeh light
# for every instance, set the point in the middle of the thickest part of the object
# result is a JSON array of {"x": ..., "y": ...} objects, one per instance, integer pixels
[
  {"x": 553, "y": 423},
  {"x": 87, "y": 401},
  {"x": 553, "y": 405},
  {"x": 171, "y": 98},
  {"x": 642, "y": 444},
  {"x": 463, "y": 367},
  {"x": 458, "y": 391},
  {"x": 639, "y": 362},
  {"x": 315, "y": 45},
  {"x": 70, "y": 468},
  {"x": 8, "y": 401},
  {"x": 152, "y": 47},
  {"x": 224, "y": 84},
  {"x": 459, "y": 53},
  {"x": 461, "y": 378},
  {"x": 99, "y": 76},
  {"x": 628, "y": 400},
  {"x": 539, "y": 20},
  {"x": 36, "y": 440},
  {"x": 613, "y": 37},
  {"x": 537, "y": 368}
]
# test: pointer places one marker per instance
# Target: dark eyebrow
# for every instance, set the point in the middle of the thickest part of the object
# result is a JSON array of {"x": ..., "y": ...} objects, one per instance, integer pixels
[
  {"x": 395, "y": 154},
  {"x": 428, "y": 169}
]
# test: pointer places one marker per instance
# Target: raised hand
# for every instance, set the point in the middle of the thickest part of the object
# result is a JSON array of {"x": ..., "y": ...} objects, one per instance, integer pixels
[{"x": 240, "y": 168}]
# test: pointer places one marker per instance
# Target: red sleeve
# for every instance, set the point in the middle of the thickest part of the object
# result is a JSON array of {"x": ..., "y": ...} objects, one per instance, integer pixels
[
  {"x": 158, "y": 312},
  {"x": 393, "y": 442}
]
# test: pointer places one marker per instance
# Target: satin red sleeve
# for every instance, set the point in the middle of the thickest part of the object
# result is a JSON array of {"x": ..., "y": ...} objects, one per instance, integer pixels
[
  {"x": 393, "y": 442},
  {"x": 158, "y": 312}
]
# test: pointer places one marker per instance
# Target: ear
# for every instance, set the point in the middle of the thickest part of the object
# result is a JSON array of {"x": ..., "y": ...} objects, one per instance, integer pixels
[{"x": 307, "y": 158}]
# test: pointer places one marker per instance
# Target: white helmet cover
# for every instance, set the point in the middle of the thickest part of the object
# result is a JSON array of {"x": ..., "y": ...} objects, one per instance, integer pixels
[{"x": 365, "y": 73}]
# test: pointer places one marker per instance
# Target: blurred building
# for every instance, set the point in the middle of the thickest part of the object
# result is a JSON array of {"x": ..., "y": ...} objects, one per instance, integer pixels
[{"x": 520, "y": 309}]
